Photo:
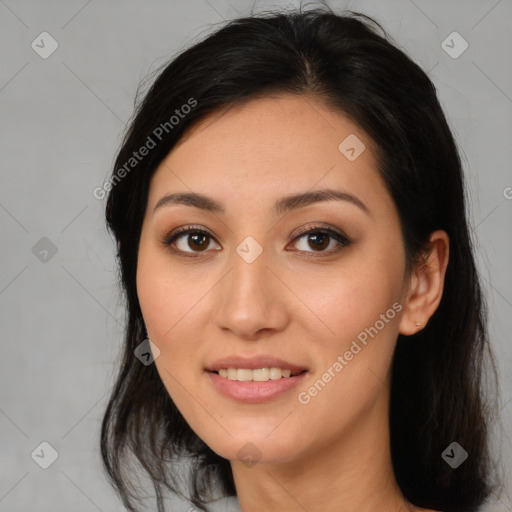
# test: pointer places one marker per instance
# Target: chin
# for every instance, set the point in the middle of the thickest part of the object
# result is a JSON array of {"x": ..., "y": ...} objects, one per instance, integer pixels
[{"x": 251, "y": 449}]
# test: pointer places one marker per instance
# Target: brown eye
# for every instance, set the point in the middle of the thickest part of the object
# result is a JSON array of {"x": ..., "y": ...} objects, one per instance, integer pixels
[
  {"x": 189, "y": 240},
  {"x": 320, "y": 239},
  {"x": 197, "y": 241}
]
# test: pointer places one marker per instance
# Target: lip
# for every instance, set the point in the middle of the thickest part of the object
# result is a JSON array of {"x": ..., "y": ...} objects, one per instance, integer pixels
[
  {"x": 253, "y": 363},
  {"x": 253, "y": 391}
]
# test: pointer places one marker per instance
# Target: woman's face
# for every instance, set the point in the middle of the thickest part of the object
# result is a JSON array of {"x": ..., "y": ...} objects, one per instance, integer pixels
[{"x": 257, "y": 292}]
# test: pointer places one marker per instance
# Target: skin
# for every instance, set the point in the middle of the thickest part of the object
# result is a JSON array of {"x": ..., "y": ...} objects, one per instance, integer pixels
[{"x": 334, "y": 450}]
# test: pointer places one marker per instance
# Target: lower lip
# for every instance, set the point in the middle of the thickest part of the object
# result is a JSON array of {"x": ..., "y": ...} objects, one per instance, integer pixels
[{"x": 253, "y": 391}]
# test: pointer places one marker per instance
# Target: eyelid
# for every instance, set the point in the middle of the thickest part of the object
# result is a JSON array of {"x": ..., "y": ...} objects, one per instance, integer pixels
[
  {"x": 317, "y": 226},
  {"x": 168, "y": 239}
]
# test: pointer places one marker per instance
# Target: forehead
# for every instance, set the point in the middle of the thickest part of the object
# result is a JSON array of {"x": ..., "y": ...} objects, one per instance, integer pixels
[{"x": 258, "y": 150}]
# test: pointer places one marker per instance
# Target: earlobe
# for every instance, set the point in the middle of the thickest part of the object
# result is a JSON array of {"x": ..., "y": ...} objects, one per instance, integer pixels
[{"x": 426, "y": 285}]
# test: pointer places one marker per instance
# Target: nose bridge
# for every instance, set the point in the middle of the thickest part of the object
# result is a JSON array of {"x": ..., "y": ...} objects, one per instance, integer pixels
[
  {"x": 249, "y": 299},
  {"x": 249, "y": 275}
]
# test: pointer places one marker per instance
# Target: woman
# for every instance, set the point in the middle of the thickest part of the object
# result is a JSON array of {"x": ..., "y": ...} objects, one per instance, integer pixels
[{"x": 305, "y": 321}]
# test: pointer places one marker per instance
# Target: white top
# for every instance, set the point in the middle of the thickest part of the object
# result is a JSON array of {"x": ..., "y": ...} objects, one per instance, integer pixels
[{"x": 229, "y": 504}]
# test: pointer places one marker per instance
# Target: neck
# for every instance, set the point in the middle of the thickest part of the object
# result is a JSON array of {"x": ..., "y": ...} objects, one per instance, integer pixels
[{"x": 353, "y": 472}]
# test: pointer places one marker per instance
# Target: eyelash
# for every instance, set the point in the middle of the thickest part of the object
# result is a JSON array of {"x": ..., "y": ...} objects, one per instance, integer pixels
[{"x": 341, "y": 238}]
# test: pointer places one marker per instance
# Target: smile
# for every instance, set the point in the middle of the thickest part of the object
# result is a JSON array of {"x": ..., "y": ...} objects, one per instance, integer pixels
[
  {"x": 246, "y": 388},
  {"x": 258, "y": 375}
]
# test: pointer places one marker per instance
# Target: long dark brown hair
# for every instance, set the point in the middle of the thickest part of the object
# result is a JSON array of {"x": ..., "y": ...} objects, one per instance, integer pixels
[{"x": 349, "y": 63}]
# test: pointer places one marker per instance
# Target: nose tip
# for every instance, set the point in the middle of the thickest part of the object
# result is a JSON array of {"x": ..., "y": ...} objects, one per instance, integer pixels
[{"x": 250, "y": 302}]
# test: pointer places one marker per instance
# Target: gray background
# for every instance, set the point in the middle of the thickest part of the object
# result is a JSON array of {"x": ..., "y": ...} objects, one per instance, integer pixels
[{"x": 61, "y": 123}]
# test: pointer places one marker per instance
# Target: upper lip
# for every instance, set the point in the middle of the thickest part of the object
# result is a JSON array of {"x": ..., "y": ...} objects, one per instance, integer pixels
[{"x": 253, "y": 363}]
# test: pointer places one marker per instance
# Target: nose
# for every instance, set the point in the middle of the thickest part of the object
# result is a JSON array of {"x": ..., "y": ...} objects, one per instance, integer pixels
[{"x": 252, "y": 300}]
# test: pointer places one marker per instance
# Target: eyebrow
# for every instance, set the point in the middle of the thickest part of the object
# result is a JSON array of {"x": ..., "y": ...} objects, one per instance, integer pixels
[{"x": 281, "y": 206}]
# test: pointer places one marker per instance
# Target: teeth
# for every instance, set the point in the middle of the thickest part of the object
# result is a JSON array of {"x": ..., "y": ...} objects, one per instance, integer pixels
[{"x": 258, "y": 375}]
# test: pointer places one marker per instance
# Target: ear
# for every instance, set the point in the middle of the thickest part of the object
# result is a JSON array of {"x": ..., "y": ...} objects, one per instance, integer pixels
[{"x": 425, "y": 287}]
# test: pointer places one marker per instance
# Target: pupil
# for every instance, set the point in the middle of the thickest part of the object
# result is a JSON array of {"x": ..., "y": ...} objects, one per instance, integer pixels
[
  {"x": 322, "y": 236},
  {"x": 202, "y": 244}
]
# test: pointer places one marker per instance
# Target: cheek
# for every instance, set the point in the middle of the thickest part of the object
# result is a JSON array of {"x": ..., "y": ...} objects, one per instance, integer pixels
[
  {"x": 347, "y": 299},
  {"x": 154, "y": 298},
  {"x": 173, "y": 298},
  {"x": 361, "y": 307},
  {"x": 168, "y": 306},
  {"x": 166, "y": 296}
]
